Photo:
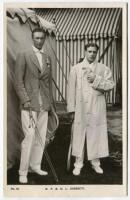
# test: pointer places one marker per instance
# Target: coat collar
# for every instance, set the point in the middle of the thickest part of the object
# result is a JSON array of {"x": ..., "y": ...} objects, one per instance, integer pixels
[
  {"x": 95, "y": 67},
  {"x": 34, "y": 59},
  {"x": 86, "y": 64},
  {"x": 46, "y": 62},
  {"x": 37, "y": 50}
]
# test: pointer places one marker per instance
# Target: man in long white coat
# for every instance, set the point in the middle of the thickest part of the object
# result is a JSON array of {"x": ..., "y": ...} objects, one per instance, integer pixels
[{"x": 88, "y": 81}]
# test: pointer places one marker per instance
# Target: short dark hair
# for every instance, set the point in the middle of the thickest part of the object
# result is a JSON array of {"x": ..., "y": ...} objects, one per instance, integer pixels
[
  {"x": 38, "y": 30},
  {"x": 91, "y": 45}
]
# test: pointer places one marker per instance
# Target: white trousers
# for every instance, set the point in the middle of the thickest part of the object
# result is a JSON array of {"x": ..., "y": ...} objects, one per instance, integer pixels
[
  {"x": 31, "y": 149},
  {"x": 79, "y": 161}
]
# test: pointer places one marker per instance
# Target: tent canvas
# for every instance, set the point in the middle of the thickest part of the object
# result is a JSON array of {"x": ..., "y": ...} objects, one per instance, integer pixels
[{"x": 20, "y": 23}]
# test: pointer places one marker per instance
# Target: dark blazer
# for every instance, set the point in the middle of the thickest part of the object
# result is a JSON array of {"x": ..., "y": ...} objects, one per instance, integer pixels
[{"x": 29, "y": 79}]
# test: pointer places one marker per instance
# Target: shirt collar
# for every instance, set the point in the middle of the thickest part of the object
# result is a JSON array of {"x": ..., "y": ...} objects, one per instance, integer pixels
[
  {"x": 37, "y": 50},
  {"x": 90, "y": 65}
]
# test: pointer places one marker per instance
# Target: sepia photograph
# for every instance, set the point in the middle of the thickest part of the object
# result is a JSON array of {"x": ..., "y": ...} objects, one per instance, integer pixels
[{"x": 66, "y": 99}]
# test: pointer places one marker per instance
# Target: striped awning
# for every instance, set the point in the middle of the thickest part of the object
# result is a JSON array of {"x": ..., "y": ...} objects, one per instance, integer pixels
[{"x": 73, "y": 23}]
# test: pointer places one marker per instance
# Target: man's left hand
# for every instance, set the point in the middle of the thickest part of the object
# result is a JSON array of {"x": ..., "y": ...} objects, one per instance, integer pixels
[
  {"x": 52, "y": 110},
  {"x": 91, "y": 76}
]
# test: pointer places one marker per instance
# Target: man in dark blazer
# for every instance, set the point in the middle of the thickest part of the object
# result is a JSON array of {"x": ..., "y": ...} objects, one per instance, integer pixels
[{"x": 32, "y": 81}]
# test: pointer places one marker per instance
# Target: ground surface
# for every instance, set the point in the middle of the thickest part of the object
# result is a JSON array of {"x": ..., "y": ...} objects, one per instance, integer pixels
[{"x": 58, "y": 151}]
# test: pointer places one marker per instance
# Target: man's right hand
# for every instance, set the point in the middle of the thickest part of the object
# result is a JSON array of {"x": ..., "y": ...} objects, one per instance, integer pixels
[{"x": 27, "y": 104}]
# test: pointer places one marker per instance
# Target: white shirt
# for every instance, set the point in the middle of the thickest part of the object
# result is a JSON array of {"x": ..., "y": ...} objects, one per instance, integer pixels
[
  {"x": 90, "y": 65},
  {"x": 38, "y": 53}
]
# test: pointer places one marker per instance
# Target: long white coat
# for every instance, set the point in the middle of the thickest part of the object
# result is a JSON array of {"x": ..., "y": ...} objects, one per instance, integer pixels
[{"x": 87, "y": 100}]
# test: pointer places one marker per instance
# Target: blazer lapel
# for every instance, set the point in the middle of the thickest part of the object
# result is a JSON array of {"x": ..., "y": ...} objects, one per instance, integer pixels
[
  {"x": 36, "y": 65},
  {"x": 44, "y": 64},
  {"x": 45, "y": 72},
  {"x": 35, "y": 61},
  {"x": 46, "y": 67}
]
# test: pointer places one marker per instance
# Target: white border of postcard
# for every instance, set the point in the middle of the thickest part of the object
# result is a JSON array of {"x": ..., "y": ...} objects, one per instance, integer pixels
[{"x": 72, "y": 190}]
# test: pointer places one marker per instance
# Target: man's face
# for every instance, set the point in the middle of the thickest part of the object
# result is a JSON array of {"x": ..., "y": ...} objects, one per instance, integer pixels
[
  {"x": 91, "y": 54},
  {"x": 38, "y": 39}
]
